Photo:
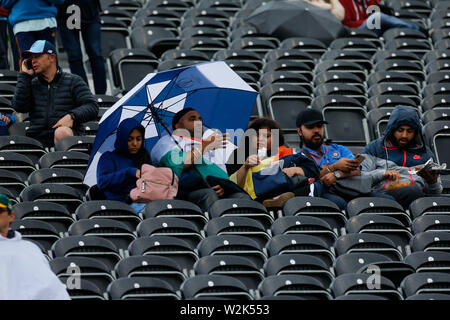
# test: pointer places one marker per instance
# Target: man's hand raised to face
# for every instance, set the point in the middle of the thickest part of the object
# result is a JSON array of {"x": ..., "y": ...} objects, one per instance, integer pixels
[{"x": 25, "y": 67}]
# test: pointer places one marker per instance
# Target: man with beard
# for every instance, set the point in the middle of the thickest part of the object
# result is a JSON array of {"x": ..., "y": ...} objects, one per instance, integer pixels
[
  {"x": 394, "y": 159},
  {"x": 335, "y": 161}
]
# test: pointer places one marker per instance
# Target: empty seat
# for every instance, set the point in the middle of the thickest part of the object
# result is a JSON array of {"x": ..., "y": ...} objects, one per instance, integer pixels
[
  {"x": 403, "y": 33},
  {"x": 68, "y": 177},
  {"x": 411, "y": 45},
  {"x": 243, "y": 226},
  {"x": 75, "y": 143},
  {"x": 380, "y": 224},
  {"x": 372, "y": 205},
  {"x": 39, "y": 231},
  {"x": 313, "y": 46},
  {"x": 426, "y": 282},
  {"x": 151, "y": 266},
  {"x": 301, "y": 264},
  {"x": 55, "y": 214},
  {"x": 300, "y": 243},
  {"x": 175, "y": 227},
  {"x": 140, "y": 289},
  {"x": 239, "y": 54},
  {"x": 205, "y": 45},
  {"x": 65, "y": 195},
  {"x": 12, "y": 181},
  {"x": 377, "y": 120},
  {"x": 115, "y": 231},
  {"x": 17, "y": 163},
  {"x": 87, "y": 268},
  {"x": 355, "y": 284},
  {"x": 430, "y": 205},
  {"x": 395, "y": 77},
  {"x": 304, "y": 225},
  {"x": 437, "y": 134},
  {"x": 184, "y": 54},
  {"x": 289, "y": 65},
  {"x": 404, "y": 90},
  {"x": 342, "y": 66},
  {"x": 355, "y": 44},
  {"x": 176, "y": 5},
  {"x": 87, "y": 246},
  {"x": 438, "y": 89},
  {"x": 177, "y": 209},
  {"x": 234, "y": 266},
  {"x": 429, "y": 296},
  {"x": 431, "y": 241},
  {"x": 65, "y": 159},
  {"x": 316, "y": 207},
  {"x": 368, "y": 243},
  {"x": 290, "y": 55},
  {"x": 204, "y": 22},
  {"x": 259, "y": 45},
  {"x": 27, "y": 146},
  {"x": 114, "y": 35},
  {"x": 173, "y": 64},
  {"x": 284, "y": 77},
  {"x": 294, "y": 284},
  {"x": 241, "y": 208},
  {"x": 399, "y": 65},
  {"x": 211, "y": 286},
  {"x": 431, "y": 222},
  {"x": 167, "y": 246},
  {"x": 436, "y": 102},
  {"x": 361, "y": 58},
  {"x": 118, "y": 14},
  {"x": 129, "y": 66},
  {"x": 154, "y": 21},
  {"x": 370, "y": 263},
  {"x": 284, "y": 101},
  {"x": 154, "y": 39},
  {"x": 234, "y": 245},
  {"x": 389, "y": 101},
  {"x": 432, "y": 261},
  {"x": 84, "y": 290}
]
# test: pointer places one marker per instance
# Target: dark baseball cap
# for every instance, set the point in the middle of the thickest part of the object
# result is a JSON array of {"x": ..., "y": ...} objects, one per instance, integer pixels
[
  {"x": 40, "y": 46},
  {"x": 309, "y": 117}
]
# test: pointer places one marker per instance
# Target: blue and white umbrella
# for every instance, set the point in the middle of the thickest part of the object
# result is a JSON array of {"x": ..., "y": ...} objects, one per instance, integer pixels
[{"x": 223, "y": 99}]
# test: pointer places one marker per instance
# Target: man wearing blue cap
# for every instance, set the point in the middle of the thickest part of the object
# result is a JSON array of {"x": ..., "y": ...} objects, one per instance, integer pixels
[{"x": 57, "y": 102}]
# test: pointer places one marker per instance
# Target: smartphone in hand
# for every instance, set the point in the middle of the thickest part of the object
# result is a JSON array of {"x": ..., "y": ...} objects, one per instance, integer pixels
[
  {"x": 29, "y": 64},
  {"x": 360, "y": 158}
]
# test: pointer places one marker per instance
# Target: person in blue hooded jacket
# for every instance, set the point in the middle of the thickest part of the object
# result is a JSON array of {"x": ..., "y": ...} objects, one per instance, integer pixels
[
  {"x": 393, "y": 160},
  {"x": 118, "y": 170}
]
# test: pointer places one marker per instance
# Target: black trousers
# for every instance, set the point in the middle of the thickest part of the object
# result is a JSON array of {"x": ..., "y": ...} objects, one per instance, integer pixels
[
  {"x": 205, "y": 197},
  {"x": 4, "y": 44},
  {"x": 406, "y": 195}
]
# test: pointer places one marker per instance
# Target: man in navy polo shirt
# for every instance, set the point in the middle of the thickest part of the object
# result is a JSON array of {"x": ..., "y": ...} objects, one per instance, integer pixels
[{"x": 335, "y": 161}]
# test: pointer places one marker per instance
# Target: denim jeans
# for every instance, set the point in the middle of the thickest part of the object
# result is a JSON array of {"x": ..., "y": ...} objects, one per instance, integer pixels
[
  {"x": 91, "y": 34},
  {"x": 26, "y": 39},
  {"x": 386, "y": 22}
]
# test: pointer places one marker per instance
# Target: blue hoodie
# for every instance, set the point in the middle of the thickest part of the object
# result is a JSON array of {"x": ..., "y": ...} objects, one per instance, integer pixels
[
  {"x": 116, "y": 173},
  {"x": 385, "y": 147},
  {"x": 23, "y": 10},
  {"x": 383, "y": 154}
]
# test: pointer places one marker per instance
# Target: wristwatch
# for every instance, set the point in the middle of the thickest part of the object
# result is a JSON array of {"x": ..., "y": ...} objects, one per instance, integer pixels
[
  {"x": 337, "y": 174},
  {"x": 72, "y": 115}
]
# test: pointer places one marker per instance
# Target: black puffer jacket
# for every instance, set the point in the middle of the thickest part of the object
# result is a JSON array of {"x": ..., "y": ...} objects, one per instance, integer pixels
[{"x": 46, "y": 102}]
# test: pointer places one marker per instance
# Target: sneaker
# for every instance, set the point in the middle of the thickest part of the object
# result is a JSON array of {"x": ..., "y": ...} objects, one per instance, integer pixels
[{"x": 278, "y": 201}]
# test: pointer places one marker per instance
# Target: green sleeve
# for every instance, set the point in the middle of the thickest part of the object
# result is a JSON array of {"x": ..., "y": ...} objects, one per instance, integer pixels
[{"x": 174, "y": 160}]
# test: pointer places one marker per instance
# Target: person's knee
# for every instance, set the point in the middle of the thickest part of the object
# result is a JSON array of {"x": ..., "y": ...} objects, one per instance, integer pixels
[{"x": 62, "y": 132}]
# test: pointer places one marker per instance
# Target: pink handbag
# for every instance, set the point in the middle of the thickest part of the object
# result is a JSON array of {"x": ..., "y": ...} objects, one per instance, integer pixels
[{"x": 155, "y": 184}]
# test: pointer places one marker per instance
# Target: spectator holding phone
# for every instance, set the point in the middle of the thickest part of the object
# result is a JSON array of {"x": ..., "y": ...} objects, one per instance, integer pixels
[
  {"x": 394, "y": 160},
  {"x": 58, "y": 102}
]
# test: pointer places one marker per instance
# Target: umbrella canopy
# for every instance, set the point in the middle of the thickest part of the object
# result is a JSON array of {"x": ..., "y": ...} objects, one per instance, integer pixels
[
  {"x": 223, "y": 99},
  {"x": 286, "y": 19}
]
